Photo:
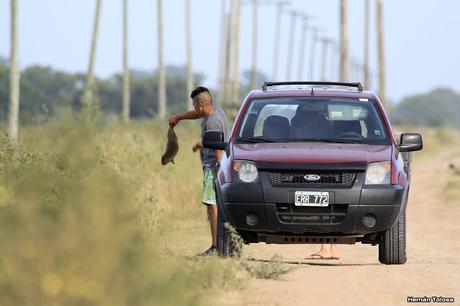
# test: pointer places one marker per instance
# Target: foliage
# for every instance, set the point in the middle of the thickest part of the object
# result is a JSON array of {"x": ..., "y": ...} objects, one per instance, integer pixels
[
  {"x": 272, "y": 269},
  {"x": 46, "y": 91},
  {"x": 86, "y": 219},
  {"x": 440, "y": 107}
]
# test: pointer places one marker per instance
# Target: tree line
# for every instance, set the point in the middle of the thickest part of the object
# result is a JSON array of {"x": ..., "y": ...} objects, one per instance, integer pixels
[
  {"x": 46, "y": 91},
  {"x": 229, "y": 85}
]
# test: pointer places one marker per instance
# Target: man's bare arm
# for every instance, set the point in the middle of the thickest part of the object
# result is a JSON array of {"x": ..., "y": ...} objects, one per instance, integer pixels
[
  {"x": 219, "y": 154},
  {"x": 190, "y": 115}
]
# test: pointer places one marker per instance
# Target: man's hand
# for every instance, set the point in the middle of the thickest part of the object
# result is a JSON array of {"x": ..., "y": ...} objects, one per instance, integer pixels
[
  {"x": 197, "y": 146},
  {"x": 173, "y": 120}
]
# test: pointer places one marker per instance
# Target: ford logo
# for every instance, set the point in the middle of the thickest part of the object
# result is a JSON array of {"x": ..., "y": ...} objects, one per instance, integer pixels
[{"x": 312, "y": 177}]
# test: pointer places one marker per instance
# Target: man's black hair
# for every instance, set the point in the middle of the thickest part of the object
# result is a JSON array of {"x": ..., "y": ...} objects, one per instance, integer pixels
[{"x": 198, "y": 90}]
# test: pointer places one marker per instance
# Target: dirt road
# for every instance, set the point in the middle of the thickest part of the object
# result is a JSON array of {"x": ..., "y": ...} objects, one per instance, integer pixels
[{"x": 432, "y": 269}]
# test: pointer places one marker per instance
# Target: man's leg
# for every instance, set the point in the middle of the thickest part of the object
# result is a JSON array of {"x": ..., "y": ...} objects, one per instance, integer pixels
[
  {"x": 327, "y": 251},
  {"x": 212, "y": 215},
  {"x": 335, "y": 251},
  {"x": 209, "y": 199}
]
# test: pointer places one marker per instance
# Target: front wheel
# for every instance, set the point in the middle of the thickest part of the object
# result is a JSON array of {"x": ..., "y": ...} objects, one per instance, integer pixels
[
  {"x": 229, "y": 243},
  {"x": 392, "y": 247}
]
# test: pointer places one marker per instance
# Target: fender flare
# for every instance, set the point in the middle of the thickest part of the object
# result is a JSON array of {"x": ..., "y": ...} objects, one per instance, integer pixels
[{"x": 403, "y": 203}]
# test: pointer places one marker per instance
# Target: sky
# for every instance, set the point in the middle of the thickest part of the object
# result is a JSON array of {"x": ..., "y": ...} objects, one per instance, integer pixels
[{"x": 422, "y": 45}]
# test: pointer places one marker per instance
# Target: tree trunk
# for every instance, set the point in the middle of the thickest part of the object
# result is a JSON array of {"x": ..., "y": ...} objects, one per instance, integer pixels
[
  {"x": 381, "y": 53},
  {"x": 314, "y": 39},
  {"x": 228, "y": 55},
  {"x": 236, "y": 63},
  {"x": 276, "y": 50},
  {"x": 13, "y": 118},
  {"x": 290, "y": 56},
  {"x": 344, "y": 56},
  {"x": 190, "y": 79},
  {"x": 334, "y": 56},
  {"x": 366, "y": 44},
  {"x": 126, "y": 78},
  {"x": 222, "y": 53},
  {"x": 302, "y": 58},
  {"x": 325, "y": 44},
  {"x": 89, "y": 96},
  {"x": 161, "y": 67},
  {"x": 255, "y": 21}
]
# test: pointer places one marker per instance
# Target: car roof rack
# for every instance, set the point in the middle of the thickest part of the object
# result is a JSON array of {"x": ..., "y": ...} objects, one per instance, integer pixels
[{"x": 319, "y": 83}]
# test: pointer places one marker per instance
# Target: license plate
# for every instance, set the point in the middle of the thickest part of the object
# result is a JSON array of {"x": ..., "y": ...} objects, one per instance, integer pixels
[{"x": 311, "y": 198}]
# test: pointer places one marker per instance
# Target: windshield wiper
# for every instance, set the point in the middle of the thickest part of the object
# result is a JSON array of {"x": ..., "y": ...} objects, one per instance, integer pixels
[
  {"x": 326, "y": 140},
  {"x": 254, "y": 140}
]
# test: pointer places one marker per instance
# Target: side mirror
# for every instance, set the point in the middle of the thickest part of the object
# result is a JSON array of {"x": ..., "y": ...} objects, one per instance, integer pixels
[
  {"x": 410, "y": 142},
  {"x": 214, "y": 140}
]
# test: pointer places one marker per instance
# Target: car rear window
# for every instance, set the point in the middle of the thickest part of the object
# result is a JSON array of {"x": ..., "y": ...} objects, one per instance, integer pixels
[{"x": 313, "y": 119}]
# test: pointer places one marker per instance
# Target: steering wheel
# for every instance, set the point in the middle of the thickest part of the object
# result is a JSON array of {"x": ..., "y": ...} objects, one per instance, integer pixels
[{"x": 352, "y": 135}]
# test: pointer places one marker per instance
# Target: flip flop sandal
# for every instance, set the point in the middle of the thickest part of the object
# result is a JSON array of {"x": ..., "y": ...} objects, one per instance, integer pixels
[{"x": 317, "y": 256}]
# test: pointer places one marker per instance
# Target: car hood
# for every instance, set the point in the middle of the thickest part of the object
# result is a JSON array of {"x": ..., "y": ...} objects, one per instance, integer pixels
[{"x": 311, "y": 153}]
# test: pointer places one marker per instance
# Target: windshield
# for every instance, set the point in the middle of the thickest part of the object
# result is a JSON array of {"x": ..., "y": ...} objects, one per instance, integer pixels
[{"x": 313, "y": 119}]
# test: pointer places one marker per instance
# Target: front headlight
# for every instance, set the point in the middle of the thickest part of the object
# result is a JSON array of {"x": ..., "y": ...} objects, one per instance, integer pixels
[
  {"x": 378, "y": 173},
  {"x": 247, "y": 171}
]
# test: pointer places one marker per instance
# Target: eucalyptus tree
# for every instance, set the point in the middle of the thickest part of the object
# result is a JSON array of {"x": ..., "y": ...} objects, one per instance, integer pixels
[
  {"x": 222, "y": 52},
  {"x": 126, "y": 77},
  {"x": 303, "y": 41},
  {"x": 325, "y": 43},
  {"x": 236, "y": 52},
  {"x": 188, "y": 30},
  {"x": 89, "y": 95},
  {"x": 344, "y": 41},
  {"x": 290, "y": 56},
  {"x": 279, "y": 11},
  {"x": 161, "y": 66},
  {"x": 228, "y": 55},
  {"x": 313, "y": 40},
  {"x": 381, "y": 52},
  {"x": 366, "y": 42},
  {"x": 13, "y": 117},
  {"x": 255, "y": 23}
]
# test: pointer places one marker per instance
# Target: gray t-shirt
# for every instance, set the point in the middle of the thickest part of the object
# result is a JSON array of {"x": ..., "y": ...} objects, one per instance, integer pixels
[{"x": 216, "y": 121}]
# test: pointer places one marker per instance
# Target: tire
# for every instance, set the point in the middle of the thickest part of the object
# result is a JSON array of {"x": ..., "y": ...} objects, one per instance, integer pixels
[
  {"x": 392, "y": 247},
  {"x": 228, "y": 244}
]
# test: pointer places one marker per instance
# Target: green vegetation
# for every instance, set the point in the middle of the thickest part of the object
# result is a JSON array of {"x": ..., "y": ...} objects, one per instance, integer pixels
[
  {"x": 438, "y": 108},
  {"x": 88, "y": 216},
  {"x": 271, "y": 269},
  {"x": 45, "y": 92}
]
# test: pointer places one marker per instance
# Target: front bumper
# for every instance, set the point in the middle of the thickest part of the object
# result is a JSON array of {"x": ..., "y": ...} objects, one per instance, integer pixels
[{"x": 275, "y": 212}]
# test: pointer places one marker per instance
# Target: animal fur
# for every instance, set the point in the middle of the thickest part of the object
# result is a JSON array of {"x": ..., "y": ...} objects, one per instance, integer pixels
[{"x": 172, "y": 147}]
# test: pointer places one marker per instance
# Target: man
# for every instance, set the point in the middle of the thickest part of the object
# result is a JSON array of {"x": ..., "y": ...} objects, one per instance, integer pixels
[{"x": 214, "y": 119}]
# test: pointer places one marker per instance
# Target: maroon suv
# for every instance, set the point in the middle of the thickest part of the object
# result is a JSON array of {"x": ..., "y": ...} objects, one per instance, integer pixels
[{"x": 314, "y": 162}]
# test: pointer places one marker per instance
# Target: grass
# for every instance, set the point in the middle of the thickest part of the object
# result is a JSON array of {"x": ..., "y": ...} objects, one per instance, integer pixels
[{"x": 88, "y": 216}]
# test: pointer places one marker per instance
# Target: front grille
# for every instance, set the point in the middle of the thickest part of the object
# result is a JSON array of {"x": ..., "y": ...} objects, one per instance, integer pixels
[
  {"x": 332, "y": 214},
  {"x": 297, "y": 178}
]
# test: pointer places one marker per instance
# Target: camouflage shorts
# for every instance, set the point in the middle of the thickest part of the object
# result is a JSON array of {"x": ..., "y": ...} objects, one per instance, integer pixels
[{"x": 209, "y": 192}]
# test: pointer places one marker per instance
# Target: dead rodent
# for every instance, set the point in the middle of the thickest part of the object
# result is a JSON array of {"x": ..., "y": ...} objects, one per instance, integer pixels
[{"x": 172, "y": 147}]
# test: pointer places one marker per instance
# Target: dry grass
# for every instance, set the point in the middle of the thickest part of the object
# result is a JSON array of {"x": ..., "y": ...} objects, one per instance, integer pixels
[{"x": 88, "y": 216}]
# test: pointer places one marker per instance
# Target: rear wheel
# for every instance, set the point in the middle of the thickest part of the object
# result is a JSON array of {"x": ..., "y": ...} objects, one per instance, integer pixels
[
  {"x": 229, "y": 243},
  {"x": 392, "y": 247}
]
